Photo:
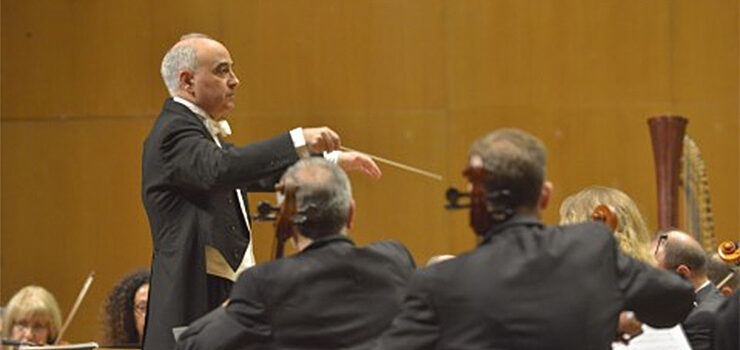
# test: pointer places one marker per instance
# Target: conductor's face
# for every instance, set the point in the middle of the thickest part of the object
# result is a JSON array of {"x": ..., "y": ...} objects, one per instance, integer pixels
[{"x": 214, "y": 82}]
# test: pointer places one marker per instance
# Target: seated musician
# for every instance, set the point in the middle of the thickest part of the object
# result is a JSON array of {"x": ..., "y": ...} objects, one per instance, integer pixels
[
  {"x": 631, "y": 233},
  {"x": 330, "y": 295},
  {"x": 124, "y": 311},
  {"x": 727, "y": 322},
  {"x": 680, "y": 252},
  {"x": 527, "y": 285},
  {"x": 727, "y": 327},
  {"x": 32, "y": 316}
]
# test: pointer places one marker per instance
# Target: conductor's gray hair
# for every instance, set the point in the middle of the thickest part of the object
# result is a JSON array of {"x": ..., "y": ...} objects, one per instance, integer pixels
[
  {"x": 181, "y": 57},
  {"x": 323, "y": 198}
]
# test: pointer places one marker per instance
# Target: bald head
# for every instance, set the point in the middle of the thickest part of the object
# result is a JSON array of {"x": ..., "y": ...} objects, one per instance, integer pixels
[
  {"x": 200, "y": 69},
  {"x": 680, "y": 249}
]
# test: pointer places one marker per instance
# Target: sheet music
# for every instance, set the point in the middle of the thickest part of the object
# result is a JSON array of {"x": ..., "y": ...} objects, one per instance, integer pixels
[{"x": 657, "y": 339}]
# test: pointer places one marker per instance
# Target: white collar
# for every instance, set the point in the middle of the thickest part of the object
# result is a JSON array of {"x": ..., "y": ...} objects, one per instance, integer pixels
[
  {"x": 192, "y": 106},
  {"x": 702, "y": 286},
  {"x": 220, "y": 127}
]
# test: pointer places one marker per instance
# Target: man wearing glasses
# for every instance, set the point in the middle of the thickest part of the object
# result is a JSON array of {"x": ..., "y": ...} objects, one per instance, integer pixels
[{"x": 679, "y": 252}]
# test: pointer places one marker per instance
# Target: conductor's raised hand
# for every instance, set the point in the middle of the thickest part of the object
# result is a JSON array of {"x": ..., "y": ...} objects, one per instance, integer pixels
[
  {"x": 356, "y": 161},
  {"x": 321, "y": 139}
]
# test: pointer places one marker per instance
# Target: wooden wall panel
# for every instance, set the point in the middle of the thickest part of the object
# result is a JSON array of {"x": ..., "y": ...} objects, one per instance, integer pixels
[
  {"x": 345, "y": 57},
  {"x": 416, "y": 81},
  {"x": 704, "y": 62}
]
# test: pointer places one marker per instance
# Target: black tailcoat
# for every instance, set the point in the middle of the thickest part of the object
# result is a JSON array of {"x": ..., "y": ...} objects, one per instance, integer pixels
[{"x": 188, "y": 190}]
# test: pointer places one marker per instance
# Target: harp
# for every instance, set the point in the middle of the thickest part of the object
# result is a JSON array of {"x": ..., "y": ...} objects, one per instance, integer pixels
[{"x": 678, "y": 161}]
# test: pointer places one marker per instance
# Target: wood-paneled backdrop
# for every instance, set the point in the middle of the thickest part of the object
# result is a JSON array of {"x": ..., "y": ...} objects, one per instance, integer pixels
[{"x": 413, "y": 80}]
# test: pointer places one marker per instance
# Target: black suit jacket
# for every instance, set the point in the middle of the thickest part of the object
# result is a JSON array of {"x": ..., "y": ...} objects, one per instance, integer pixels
[
  {"x": 332, "y": 295},
  {"x": 699, "y": 324},
  {"x": 727, "y": 329},
  {"x": 188, "y": 190},
  {"x": 528, "y": 286}
]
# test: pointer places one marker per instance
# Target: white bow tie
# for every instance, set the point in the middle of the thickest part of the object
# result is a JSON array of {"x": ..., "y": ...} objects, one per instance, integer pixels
[{"x": 217, "y": 128}]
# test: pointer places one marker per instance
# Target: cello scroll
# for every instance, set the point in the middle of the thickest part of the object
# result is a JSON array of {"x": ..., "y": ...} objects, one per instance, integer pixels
[
  {"x": 729, "y": 252},
  {"x": 603, "y": 213}
]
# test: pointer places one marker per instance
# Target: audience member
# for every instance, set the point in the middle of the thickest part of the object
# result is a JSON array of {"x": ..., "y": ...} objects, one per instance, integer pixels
[
  {"x": 124, "y": 311},
  {"x": 32, "y": 315},
  {"x": 330, "y": 295}
]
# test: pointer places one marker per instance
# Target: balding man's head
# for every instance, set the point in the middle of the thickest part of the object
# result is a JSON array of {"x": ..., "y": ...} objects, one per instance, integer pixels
[
  {"x": 680, "y": 252},
  {"x": 199, "y": 69}
]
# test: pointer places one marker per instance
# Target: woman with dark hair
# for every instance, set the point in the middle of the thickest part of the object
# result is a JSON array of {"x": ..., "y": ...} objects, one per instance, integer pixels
[{"x": 124, "y": 311}]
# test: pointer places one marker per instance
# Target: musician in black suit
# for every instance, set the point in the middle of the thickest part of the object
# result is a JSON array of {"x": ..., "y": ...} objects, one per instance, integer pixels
[
  {"x": 527, "y": 285},
  {"x": 727, "y": 329},
  {"x": 330, "y": 295},
  {"x": 679, "y": 252},
  {"x": 193, "y": 185}
]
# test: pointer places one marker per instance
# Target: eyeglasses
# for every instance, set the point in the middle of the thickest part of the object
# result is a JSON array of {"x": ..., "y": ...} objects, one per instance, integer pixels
[
  {"x": 661, "y": 239},
  {"x": 36, "y": 328}
]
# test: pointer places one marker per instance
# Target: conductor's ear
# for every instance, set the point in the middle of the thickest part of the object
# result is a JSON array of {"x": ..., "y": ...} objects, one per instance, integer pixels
[{"x": 186, "y": 81}]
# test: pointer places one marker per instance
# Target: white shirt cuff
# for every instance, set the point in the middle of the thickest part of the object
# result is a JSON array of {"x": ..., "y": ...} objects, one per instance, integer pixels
[
  {"x": 299, "y": 142},
  {"x": 332, "y": 157}
]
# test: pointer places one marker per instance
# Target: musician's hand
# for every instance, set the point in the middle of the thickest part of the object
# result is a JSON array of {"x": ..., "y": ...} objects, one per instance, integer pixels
[
  {"x": 321, "y": 139},
  {"x": 628, "y": 327},
  {"x": 355, "y": 161}
]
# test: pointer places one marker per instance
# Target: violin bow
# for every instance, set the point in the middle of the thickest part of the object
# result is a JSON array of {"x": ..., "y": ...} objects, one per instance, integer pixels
[{"x": 80, "y": 297}]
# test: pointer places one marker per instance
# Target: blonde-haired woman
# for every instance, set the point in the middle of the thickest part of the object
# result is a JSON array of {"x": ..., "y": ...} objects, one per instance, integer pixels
[
  {"x": 32, "y": 315},
  {"x": 631, "y": 232}
]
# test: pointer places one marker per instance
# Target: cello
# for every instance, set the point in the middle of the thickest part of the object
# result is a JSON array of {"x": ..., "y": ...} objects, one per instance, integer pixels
[
  {"x": 487, "y": 208},
  {"x": 284, "y": 216}
]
